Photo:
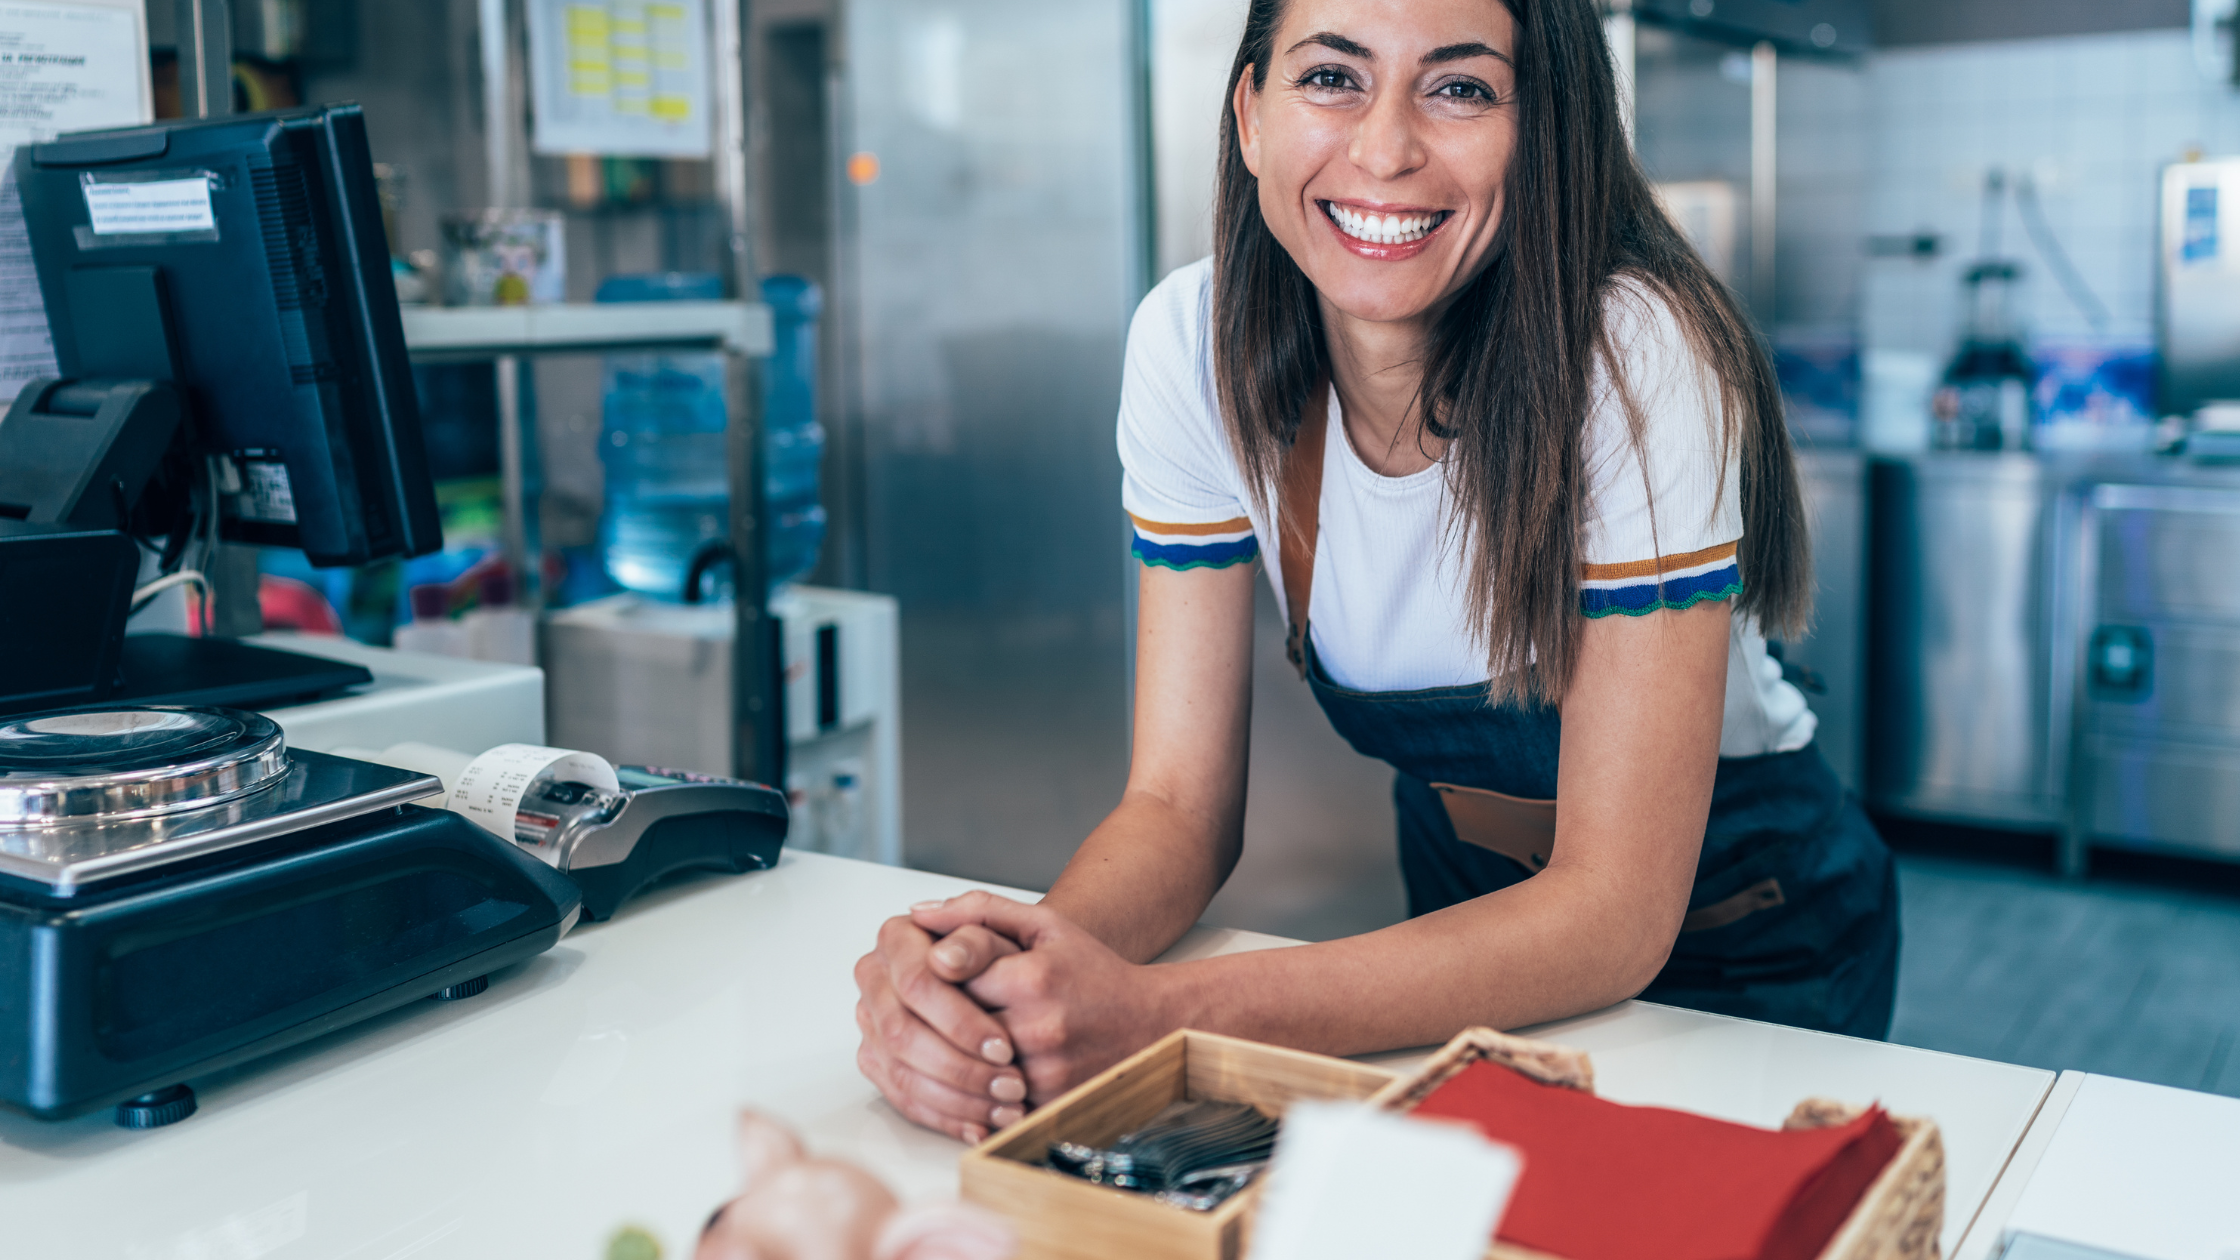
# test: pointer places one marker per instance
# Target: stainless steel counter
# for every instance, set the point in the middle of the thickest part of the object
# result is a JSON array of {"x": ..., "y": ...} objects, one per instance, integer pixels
[
  {"x": 2054, "y": 644},
  {"x": 1834, "y": 652}
]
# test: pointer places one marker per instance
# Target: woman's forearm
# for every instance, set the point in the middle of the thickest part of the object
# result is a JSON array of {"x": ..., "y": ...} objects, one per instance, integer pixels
[
  {"x": 1145, "y": 874},
  {"x": 1558, "y": 944}
]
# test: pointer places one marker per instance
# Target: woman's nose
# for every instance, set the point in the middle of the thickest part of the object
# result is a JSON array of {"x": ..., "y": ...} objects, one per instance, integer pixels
[{"x": 1385, "y": 144}]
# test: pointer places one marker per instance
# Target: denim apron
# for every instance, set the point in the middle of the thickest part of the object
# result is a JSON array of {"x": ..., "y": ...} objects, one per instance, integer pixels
[{"x": 1794, "y": 914}]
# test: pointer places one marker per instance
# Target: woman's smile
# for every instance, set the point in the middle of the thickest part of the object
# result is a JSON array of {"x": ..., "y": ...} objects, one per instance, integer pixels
[
  {"x": 1394, "y": 122},
  {"x": 1383, "y": 233}
]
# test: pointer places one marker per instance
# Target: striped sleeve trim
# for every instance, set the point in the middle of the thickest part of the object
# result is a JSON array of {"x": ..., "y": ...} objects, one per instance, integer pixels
[
  {"x": 1203, "y": 545},
  {"x": 1638, "y": 587},
  {"x": 1663, "y": 564}
]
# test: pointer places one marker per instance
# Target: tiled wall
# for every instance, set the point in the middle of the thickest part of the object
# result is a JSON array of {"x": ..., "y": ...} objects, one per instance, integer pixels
[
  {"x": 1827, "y": 125},
  {"x": 2093, "y": 119}
]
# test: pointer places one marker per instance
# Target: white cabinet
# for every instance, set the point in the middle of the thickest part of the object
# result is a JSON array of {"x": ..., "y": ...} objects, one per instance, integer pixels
[{"x": 643, "y": 682}]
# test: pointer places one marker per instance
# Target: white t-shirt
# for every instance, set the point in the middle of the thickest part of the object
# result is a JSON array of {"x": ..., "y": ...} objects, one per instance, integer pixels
[{"x": 1389, "y": 607}]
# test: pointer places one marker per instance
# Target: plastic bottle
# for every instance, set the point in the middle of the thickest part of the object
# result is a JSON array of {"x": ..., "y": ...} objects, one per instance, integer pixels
[
  {"x": 663, "y": 443},
  {"x": 431, "y": 628},
  {"x": 840, "y": 814},
  {"x": 793, "y": 441},
  {"x": 496, "y": 629}
]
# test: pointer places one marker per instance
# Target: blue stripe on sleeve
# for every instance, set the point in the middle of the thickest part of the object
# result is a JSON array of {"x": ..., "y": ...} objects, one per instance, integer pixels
[
  {"x": 1218, "y": 555},
  {"x": 1648, "y": 596}
]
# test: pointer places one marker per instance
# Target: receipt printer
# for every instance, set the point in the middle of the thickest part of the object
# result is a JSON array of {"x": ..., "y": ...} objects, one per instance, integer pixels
[{"x": 612, "y": 829}]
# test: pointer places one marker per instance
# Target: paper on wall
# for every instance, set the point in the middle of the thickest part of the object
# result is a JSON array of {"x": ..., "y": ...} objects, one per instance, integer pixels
[
  {"x": 488, "y": 792},
  {"x": 622, "y": 77},
  {"x": 63, "y": 67}
]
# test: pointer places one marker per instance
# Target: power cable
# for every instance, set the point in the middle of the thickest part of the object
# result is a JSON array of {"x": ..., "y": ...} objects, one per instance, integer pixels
[
  {"x": 141, "y": 595},
  {"x": 2033, "y": 215}
]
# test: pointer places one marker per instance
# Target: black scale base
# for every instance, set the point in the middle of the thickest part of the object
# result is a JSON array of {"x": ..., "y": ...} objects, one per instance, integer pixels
[{"x": 170, "y": 1106}]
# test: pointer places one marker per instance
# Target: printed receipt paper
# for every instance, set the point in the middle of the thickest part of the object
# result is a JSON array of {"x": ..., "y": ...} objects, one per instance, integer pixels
[{"x": 490, "y": 789}]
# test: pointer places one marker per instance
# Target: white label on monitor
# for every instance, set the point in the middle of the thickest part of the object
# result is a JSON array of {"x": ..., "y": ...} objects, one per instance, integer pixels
[
  {"x": 157, "y": 205},
  {"x": 266, "y": 493}
]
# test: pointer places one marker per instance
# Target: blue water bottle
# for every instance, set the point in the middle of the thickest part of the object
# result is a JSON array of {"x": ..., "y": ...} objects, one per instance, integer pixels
[
  {"x": 663, "y": 444},
  {"x": 793, "y": 441}
]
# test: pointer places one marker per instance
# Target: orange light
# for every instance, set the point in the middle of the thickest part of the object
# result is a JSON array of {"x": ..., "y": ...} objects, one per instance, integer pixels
[{"x": 863, "y": 168}]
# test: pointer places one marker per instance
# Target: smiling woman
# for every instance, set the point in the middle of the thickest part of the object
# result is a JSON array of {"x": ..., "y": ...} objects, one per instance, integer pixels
[{"x": 1524, "y": 470}]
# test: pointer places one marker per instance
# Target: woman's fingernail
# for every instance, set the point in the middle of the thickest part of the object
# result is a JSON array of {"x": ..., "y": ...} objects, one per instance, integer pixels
[
  {"x": 1005, "y": 1117},
  {"x": 951, "y": 956},
  {"x": 996, "y": 1050},
  {"x": 1008, "y": 1089},
  {"x": 974, "y": 1134},
  {"x": 926, "y": 905}
]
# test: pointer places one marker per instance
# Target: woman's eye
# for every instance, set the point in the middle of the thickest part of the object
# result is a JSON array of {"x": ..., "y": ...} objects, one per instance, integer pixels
[
  {"x": 1327, "y": 78},
  {"x": 1464, "y": 90}
]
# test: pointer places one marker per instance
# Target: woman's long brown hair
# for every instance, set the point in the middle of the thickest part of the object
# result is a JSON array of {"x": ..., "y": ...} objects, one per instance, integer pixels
[{"x": 1508, "y": 378}]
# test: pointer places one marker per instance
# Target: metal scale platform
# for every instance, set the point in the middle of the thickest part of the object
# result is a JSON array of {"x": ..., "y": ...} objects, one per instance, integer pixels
[{"x": 181, "y": 892}]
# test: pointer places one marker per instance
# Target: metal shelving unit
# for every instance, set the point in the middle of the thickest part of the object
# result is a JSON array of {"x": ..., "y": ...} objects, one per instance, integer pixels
[
  {"x": 487, "y": 332},
  {"x": 740, "y": 331}
]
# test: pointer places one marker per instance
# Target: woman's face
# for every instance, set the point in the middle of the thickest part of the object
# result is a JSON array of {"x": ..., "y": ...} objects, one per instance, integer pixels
[{"x": 1382, "y": 141}]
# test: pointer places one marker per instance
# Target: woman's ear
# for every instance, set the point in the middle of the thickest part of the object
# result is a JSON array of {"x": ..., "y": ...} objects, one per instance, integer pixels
[{"x": 1246, "y": 102}]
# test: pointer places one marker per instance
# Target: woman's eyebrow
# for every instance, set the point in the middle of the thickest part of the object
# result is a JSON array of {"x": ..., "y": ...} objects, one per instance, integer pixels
[
  {"x": 1462, "y": 52},
  {"x": 1334, "y": 42}
]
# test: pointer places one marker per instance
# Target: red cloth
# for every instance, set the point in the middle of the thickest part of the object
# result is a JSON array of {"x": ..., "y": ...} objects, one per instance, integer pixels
[{"x": 1605, "y": 1181}]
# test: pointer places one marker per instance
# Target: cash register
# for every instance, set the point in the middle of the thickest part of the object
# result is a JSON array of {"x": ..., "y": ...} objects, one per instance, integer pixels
[{"x": 179, "y": 890}]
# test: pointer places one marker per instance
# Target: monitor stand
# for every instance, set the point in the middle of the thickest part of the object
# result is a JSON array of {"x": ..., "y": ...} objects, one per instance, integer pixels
[{"x": 175, "y": 669}]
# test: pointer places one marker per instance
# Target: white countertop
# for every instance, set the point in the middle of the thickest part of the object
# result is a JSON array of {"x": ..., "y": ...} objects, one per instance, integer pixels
[
  {"x": 2123, "y": 1166},
  {"x": 415, "y": 696},
  {"x": 594, "y": 1087}
]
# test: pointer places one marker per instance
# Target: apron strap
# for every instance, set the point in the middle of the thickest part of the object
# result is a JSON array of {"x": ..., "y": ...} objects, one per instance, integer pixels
[
  {"x": 1300, "y": 508},
  {"x": 1517, "y": 828}
]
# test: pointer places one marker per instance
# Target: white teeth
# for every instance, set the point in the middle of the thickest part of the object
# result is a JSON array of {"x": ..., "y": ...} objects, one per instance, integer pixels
[{"x": 1381, "y": 229}]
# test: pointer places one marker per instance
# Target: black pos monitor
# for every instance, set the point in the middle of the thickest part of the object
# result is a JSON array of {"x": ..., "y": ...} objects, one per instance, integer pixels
[{"x": 233, "y": 367}]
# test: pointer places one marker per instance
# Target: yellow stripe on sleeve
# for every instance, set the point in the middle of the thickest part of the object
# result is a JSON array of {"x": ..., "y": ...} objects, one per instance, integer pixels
[
  {"x": 1238, "y": 526},
  {"x": 1663, "y": 564}
]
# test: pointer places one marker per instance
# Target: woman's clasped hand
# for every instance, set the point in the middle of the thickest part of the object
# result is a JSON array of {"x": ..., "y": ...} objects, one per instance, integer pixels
[{"x": 976, "y": 1008}]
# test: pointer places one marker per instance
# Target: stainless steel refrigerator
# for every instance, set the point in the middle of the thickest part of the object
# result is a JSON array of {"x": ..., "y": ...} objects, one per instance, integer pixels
[{"x": 990, "y": 244}]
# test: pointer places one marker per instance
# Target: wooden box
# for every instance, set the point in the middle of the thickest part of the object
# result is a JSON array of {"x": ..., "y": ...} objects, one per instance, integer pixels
[
  {"x": 1899, "y": 1217},
  {"x": 1064, "y": 1218}
]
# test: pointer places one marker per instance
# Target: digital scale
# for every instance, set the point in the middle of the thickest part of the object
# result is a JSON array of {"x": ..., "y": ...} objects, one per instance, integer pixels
[{"x": 181, "y": 892}]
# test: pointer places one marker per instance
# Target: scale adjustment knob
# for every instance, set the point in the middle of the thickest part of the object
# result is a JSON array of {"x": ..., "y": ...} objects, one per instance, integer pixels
[
  {"x": 463, "y": 989},
  {"x": 153, "y": 1111}
]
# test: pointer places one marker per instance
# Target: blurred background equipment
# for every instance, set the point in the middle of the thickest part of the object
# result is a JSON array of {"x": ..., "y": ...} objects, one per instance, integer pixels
[
  {"x": 505, "y": 257},
  {"x": 2197, "y": 320},
  {"x": 627, "y": 676},
  {"x": 1985, "y": 402}
]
